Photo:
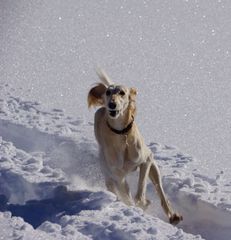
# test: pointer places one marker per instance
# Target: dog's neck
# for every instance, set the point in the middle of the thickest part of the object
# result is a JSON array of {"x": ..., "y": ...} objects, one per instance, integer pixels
[{"x": 123, "y": 131}]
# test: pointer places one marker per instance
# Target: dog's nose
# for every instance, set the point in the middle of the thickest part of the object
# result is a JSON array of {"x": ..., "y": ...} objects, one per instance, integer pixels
[{"x": 112, "y": 105}]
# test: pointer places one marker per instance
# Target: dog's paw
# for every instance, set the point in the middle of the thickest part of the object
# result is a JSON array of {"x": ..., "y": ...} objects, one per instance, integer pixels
[
  {"x": 142, "y": 203},
  {"x": 175, "y": 219}
]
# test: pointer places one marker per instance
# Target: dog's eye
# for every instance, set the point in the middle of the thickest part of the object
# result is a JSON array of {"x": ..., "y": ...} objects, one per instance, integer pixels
[
  {"x": 108, "y": 93},
  {"x": 122, "y": 93}
]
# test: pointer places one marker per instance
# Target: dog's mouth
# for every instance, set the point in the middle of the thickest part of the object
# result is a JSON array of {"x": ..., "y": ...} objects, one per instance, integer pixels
[{"x": 113, "y": 113}]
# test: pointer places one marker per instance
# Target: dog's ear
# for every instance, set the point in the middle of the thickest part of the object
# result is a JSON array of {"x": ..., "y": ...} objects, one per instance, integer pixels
[
  {"x": 132, "y": 103},
  {"x": 132, "y": 94},
  {"x": 95, "y": 95}
]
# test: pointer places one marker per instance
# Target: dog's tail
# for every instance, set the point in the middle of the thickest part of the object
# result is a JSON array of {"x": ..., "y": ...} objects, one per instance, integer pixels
[{"x": 104, "y": 77}]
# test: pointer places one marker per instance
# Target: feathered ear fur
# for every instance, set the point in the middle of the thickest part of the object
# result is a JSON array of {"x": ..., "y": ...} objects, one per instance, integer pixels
[
  {"x": 95, "y": 95},
  {"x": 132, "y": 102},
  {"x": 132, "y": 94}
]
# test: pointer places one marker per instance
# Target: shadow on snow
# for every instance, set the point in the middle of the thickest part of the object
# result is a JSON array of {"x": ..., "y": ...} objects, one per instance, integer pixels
[{"x": 62, "y": 203}]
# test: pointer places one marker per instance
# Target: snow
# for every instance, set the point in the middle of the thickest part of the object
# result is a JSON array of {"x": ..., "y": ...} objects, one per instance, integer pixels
[{"x": 176, "y": 54}]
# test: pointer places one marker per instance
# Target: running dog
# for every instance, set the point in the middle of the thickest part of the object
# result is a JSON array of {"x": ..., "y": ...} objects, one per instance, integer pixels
[{"x": 121, "y": 146}]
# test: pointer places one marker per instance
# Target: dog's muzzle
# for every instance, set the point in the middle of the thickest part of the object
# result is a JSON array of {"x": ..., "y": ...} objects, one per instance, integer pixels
[{"x": 112, "y": 109}]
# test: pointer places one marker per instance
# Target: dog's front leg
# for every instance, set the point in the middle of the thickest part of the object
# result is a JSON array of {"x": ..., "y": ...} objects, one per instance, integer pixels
[
  {"x": 111, "y": 185},
  {"x": 120, "y": 189},
  {"x": 124, "y": 192},
  {"x": 174, "y": 218},
  {"x": 140, "y": 197}
]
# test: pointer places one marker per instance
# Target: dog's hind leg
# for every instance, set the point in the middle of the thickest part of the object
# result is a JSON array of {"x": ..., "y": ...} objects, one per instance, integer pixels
[
  {"x": 140, "y": 198},
  {"x": 154, "y": 175}
]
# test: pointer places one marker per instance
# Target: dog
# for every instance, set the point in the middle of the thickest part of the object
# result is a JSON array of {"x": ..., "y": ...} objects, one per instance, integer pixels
[{"x": 121, "y": 146}]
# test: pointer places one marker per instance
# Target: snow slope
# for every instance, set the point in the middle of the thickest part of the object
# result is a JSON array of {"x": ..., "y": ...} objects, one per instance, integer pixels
[{"x": 51, "y": 185}]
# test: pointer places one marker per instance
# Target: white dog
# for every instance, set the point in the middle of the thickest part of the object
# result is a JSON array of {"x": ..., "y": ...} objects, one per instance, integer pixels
[{"x": 122, "y": 148}]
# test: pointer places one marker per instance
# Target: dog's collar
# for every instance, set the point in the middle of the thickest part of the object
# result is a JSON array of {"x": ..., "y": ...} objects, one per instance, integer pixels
[{"x": 123, "y": 131}]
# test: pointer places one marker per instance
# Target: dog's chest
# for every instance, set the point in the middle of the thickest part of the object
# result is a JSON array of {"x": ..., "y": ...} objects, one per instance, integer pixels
[{"x": 124, "y": 154}]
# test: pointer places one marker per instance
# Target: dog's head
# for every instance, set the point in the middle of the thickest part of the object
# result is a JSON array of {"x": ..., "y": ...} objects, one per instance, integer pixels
[{"x": 115, "y": 98}]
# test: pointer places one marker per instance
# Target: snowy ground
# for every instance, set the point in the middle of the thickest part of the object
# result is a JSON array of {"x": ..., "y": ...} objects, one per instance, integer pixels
[{"x": 51, "y": 186}]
